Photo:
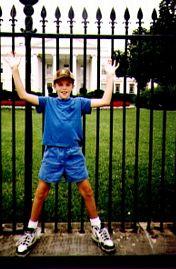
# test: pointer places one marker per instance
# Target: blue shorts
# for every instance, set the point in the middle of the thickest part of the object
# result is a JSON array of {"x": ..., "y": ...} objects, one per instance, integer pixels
[{"x": 60, "y": 161}]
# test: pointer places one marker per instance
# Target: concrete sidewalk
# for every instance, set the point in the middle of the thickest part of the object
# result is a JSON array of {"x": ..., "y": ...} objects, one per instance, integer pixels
[{"x": 76, "y": 244}]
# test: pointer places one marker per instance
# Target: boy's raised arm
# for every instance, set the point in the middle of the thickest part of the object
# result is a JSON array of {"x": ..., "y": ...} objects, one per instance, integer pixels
[
  {"x": 106, "y": 99},
  {"x": 14, "y": 62}
]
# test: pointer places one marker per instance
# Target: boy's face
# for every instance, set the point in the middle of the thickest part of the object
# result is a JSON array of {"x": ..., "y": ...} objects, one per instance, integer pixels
[{"x": 64, "y": 88}]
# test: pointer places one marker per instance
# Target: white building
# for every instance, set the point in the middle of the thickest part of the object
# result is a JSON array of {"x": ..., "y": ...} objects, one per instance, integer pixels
[{"x": 64, "y": 52}]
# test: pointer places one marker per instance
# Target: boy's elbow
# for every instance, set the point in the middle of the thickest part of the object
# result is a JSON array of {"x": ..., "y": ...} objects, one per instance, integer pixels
[
  {"x": 22, "y": 96},
  {"x": 106, "y": 102}
]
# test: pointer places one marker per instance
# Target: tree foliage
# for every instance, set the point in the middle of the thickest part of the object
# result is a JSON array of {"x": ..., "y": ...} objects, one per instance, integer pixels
[
  {"x": 166, "y": 25},
  {"x": 153, "y": 55}
]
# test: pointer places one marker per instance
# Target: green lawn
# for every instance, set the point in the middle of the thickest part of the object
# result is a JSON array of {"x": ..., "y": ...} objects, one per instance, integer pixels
[{"x": 170, "y": 185}]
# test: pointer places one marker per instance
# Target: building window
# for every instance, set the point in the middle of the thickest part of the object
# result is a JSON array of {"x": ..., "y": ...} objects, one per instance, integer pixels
[
  {"x": 49, "y": 69},
  {"x": 117, "y": 88},
  {"x": 103, "y": 70},
  {"x": 131, "y": 88}
]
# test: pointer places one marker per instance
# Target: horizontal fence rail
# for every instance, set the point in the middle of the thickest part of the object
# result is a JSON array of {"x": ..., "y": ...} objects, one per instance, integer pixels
[{"x": 126, "y": 188}]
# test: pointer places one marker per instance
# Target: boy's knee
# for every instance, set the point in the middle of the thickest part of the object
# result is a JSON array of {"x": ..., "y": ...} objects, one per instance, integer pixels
[
  {"x": 87, "y": 193},
  {"x": 41, "y": 194}
]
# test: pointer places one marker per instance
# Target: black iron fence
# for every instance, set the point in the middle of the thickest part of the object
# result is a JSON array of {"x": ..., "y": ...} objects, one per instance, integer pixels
[{"x": 117, "y": 210}]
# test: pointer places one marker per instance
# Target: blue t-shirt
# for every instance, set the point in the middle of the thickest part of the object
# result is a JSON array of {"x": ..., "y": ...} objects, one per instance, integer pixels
[{"x": 62, "y": 121}]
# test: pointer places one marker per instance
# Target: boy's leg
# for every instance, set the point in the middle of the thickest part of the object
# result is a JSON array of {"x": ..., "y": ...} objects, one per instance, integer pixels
[
  {"x": 86, "y": 192},
  {"x": 100, "y": 236},
  {"x": 31, "y": 235},
  {"x": 39, "y": 198}
]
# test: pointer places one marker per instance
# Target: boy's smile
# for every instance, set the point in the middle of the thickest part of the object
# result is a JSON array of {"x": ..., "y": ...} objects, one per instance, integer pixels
[{"x": 64, "y": 88}]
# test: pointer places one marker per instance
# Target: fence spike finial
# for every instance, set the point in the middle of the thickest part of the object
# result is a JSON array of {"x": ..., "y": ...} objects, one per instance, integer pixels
[
  {"x": 43, "y": 13},
  {"x": 154, "y": 15},
  {"x": 140, "y": 17},
  {"x": 13, "y": 15},
  {"x": 127, "y": 15},
  {"x": 71, "y": 14},
  {"x": 84, "y": 14},
  {"x": 113, "y": 15},
  {"x": 57, "y": 16},
  {"x": 85, "y": 21},
  {"x": 0, "y": 15},
  {"x": 13, "y": 11},
  {"x": 140, "y": 14},
  {"x": 98, "y": 15},
  {"x": 112, "y": 22},
  {"x": 57, "y": 13}
]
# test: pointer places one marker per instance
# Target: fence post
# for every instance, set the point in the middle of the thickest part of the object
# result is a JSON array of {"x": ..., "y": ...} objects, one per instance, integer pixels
[
  {"x": 85, "y": 22},
  {"x": 136, "y": 163},
  {"x": 123, "y": 174},
  {"x": 43, "y": 58},
  {"x": 71, "y": 21},
  {"x": 150, "y": 165},
  {"x": 28, "y": 10},
  {"x": 112, "y": 22},
  {"x": 97, "y": 153},
  {"x": 0, "y": 136},
  {"x": 58, "y": 21},
  {"x": 13, "y": 20}
]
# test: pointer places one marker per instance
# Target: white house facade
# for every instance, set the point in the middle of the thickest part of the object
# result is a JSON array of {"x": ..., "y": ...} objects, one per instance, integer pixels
[{"x": 64, "y": 57}]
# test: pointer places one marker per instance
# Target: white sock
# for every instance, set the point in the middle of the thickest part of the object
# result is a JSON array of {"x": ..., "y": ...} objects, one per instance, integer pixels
[
  {"x": 32, "y": 224},
  {"x": 96, "y": 222}
]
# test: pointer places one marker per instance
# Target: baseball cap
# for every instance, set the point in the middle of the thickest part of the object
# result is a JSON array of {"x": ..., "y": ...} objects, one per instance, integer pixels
[{"x": 63, "y": 73}]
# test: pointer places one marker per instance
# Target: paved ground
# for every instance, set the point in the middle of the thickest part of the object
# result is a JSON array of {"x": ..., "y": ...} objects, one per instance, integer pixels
[{"x": 75, "y": 245}]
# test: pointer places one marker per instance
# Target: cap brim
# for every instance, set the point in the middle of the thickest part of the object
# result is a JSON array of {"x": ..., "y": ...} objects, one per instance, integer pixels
[{"x": 66, "y": 77}]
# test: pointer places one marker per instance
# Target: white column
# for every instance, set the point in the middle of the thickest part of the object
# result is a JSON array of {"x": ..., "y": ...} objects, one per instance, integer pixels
[
  {"x": 93, "y": 76},
  {"x": 54, "y": 64},
  {"x": 75, "y": 89},
  {"x": 35, "y": 73}
]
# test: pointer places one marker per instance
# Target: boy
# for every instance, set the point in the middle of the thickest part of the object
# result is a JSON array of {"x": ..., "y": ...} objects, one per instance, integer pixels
[{"x": 62, "y": 139}]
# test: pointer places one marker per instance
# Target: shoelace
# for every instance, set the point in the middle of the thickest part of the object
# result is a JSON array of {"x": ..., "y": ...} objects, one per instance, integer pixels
[
  {"x": 104, "y": 234},
  {"x": 26, "y": 239}
]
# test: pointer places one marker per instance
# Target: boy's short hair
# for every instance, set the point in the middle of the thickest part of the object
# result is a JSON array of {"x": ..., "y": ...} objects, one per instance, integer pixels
[{"x": 63, "y": 73}]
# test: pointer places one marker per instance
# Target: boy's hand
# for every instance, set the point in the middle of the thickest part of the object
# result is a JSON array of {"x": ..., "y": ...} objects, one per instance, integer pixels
[
  {"x": 110, "y": 69},
  {"x": 13, "y": 60}
]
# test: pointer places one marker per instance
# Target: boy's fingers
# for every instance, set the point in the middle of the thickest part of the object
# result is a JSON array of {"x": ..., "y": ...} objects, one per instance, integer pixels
[
  {"x": 114, "y": 64},
  {"x": 117, "y": 66},
  {"x": 12, "y": 59}
]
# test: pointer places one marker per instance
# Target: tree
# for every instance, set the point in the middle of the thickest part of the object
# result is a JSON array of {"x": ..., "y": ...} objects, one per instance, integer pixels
[
  {"x": 166, "y": 25},
  {"x": 139, "y": 62},
  {"x": 153, "y": 58},
  {"x": 141, "y": 58}
]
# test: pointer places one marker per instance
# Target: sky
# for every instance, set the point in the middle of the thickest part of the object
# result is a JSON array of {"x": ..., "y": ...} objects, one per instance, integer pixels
[{"x": 91, "y": 6}]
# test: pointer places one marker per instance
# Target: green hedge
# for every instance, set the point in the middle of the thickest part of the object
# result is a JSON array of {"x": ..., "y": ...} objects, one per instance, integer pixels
[{"x": 162, "y": 98}]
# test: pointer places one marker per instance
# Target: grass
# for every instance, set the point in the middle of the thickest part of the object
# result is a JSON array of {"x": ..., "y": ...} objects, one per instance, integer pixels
[{"x": 90, "y": 152}]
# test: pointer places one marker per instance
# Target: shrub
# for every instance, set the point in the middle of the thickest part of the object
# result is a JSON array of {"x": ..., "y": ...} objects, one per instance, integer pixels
[{"x": 163, "y": 97}]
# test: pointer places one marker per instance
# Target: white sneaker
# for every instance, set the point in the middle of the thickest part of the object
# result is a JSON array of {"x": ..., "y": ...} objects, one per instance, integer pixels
[
  {"x": 102, "y": 238},
  {"x": 27, "y": 241}
]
